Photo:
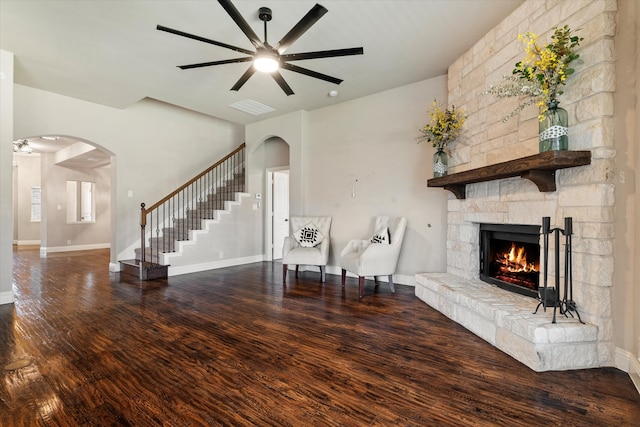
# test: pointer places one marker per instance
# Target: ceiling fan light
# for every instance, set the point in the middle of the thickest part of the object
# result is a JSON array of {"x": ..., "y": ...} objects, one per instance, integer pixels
[{"x": 265, "y": 63}]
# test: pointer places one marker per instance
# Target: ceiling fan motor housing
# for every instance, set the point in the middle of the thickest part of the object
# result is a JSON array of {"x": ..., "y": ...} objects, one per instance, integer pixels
[{"x": 264, "y": 13}]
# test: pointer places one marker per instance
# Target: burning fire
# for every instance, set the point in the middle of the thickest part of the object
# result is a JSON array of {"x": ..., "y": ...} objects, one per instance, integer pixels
[{"x": 515, "y": 261}]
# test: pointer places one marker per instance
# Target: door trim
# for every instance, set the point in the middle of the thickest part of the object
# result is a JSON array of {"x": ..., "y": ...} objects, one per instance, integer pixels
[{"x": 268, "y": 211}]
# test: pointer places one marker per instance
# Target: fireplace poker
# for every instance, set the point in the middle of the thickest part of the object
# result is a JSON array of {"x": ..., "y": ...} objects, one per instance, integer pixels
[
  {"x": 569, "y": 303},
  {"x": 546, "y": 229},
  {"x": 556, "y": 236}
]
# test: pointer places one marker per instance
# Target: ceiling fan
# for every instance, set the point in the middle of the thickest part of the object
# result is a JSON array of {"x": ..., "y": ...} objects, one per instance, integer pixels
[{"x": 267, "y": 58}]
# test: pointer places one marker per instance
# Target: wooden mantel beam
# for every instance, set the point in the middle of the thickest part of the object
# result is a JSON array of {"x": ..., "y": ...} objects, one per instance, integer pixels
[{"x": 539, "y": 168}]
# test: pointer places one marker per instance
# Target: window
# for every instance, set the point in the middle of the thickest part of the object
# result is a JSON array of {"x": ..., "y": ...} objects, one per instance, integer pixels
[
  {"x": 81, "y": 204},
  {"x": 36, "y": 204}
]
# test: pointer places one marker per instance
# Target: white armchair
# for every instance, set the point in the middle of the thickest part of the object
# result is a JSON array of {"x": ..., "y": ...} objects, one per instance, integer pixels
[
  {"x": 364, "y": 258},
  {"x": 300, "y": 248}
]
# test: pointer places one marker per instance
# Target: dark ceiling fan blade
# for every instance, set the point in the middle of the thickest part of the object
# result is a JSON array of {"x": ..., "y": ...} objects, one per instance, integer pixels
[
  {"x": 243, "y": 78},
  {"x": 202, "y": 39},
  {"x": 208, "y": 64},
  {"x": 242, "y": 23},
  {"x": 283, "y": 84},
  {"x": 300, "y": 28},
  {"x": 322, "y": 54},
  {"x": 311, "y": 73}
]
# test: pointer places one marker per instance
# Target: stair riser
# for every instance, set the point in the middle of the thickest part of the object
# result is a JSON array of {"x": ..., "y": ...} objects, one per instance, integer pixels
[{"x": 148, "y": 272}]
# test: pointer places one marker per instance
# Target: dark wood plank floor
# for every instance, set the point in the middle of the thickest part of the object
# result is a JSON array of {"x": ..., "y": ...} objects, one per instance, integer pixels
[{"x": 235, "y": 347}]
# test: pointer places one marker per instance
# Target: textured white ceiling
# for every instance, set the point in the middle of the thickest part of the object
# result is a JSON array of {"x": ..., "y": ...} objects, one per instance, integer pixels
[{"x": 109, "y": 52}]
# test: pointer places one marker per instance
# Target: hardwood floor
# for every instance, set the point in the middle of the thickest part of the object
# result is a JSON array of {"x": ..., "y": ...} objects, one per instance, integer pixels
[{"x": 235, "y": 347}]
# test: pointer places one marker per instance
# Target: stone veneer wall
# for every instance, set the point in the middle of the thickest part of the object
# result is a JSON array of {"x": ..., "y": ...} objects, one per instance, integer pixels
[{"x": 584, "y": 193}]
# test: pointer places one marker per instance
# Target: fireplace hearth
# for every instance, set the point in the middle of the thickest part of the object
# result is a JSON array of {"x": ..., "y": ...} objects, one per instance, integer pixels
[{"x": 510, "y": 257}]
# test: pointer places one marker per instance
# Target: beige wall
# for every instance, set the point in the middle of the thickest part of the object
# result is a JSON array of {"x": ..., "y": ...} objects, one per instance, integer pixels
[
  {"x": 59, "y": 233},
  {"x": 373, "y": 140},
  {"x": 291, "y": 128},
  {"x": 626, "y": 288},
  {"x": 27, "y": 175},
  {"x": 155, "y": 146},
  {"x": 370, "y": 139}
]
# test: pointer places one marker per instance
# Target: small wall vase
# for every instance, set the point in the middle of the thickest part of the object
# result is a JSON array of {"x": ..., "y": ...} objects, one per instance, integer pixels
[
  {"x": 554, "y": 128},
  {"x": 440, "y": 163}
]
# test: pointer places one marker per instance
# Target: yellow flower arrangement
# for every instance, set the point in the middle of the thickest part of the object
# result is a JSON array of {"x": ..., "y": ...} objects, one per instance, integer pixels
[
  {"x": 445, "y": 125},
  {"x": 542, "y": 73}
]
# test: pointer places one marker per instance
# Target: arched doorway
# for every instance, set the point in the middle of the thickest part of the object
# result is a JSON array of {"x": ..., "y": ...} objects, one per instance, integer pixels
[
  {"x": 57, "y": 175},
  {"x": 271, "y": 158}
]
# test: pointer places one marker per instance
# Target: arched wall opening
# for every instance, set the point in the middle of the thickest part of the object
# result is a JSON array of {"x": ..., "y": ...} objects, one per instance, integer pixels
[
  {"x": 269, "y": 161},
  {"x": 41, "y": 193}
]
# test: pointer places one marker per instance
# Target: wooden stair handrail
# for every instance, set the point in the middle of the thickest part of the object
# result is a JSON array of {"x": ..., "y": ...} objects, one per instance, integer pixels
[{"x": 143, "y": 210}]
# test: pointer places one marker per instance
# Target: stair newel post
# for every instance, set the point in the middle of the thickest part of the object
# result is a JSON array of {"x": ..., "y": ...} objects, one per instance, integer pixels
[{"x": 143, "y": 225}]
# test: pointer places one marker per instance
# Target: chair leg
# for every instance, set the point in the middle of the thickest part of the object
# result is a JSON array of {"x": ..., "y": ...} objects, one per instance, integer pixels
[
  {"x": 344, "y": 275},
  {"x": 284, "y": 272},
  {"x": 297, "y": 270},
  {"x": 393, "y": 288},
  {"x": 322, "y": 273},
  {"x": 361, "y": 285},
  {"x": 375, "y": 280}
]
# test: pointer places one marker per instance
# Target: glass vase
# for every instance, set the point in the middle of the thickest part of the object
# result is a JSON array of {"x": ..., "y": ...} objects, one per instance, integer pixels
[
  {"x": 554, "y": 128},
  {"x": 440, "y": 163}
]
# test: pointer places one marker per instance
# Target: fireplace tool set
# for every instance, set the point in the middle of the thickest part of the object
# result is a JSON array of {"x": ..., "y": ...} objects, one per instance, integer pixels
[{"x": 550, "y": 296}]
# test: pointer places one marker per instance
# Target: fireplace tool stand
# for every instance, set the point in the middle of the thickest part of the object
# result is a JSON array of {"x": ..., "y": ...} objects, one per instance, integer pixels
[{"x": 550, "y": 296}]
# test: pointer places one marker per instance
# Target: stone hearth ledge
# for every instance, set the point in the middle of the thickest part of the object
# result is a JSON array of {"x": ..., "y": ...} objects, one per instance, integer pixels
[{"x": 506, "y": 320}]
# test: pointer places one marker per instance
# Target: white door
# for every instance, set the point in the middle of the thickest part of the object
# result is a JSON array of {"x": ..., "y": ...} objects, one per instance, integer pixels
[{"x": 280, "y": 211}]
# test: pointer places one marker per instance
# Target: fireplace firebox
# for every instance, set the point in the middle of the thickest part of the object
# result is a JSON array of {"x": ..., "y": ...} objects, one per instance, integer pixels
[{"x": 510, "y": 257}]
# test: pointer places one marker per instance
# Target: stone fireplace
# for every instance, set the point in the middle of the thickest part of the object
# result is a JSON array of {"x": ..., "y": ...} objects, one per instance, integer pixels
[{"x": 516, "y": 196}]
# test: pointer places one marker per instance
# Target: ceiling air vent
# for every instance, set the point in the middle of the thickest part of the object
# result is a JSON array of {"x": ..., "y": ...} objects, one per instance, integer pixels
[{"x": 252, "y": 107}]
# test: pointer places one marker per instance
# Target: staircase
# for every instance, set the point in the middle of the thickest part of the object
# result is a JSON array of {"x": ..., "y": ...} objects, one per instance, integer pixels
[{"x": 175, "y": 217}]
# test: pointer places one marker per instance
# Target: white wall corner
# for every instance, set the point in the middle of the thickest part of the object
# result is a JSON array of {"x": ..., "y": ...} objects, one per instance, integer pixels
[{"x": 114, "y": 267}]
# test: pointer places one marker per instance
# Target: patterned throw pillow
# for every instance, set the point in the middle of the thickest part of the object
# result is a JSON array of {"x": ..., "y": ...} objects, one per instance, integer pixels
[
  {"x": 308, "y": 236},
  {"x": 382, "y": 236}
]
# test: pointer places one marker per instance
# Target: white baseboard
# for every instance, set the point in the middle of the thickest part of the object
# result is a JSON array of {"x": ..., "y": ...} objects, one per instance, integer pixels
[
  {"x": 114, "y": 267},
  {"x": 628, "y": 362},
  {"x": 398, "y": 279},
  {"x": 44, "y": 251},
  {"x": 622, "y": 359},
  {"x": 194, "y": 268},
  {"x": 634, "y": 372},
  {"x": 26, "y": 242},
  {"x": 6, "y": 297}
]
